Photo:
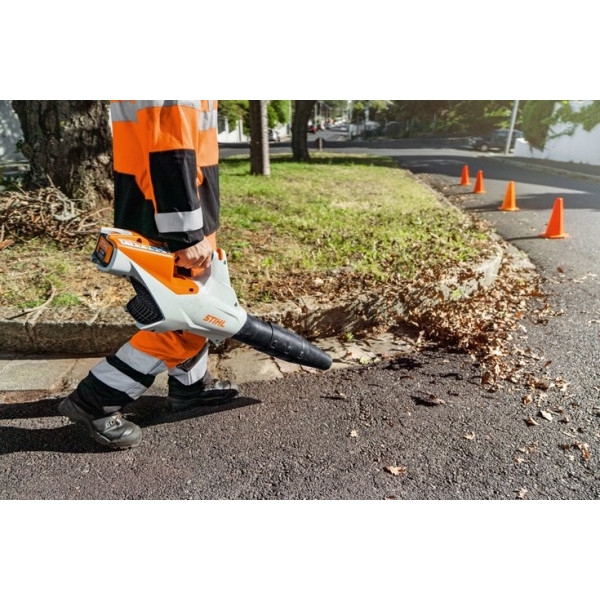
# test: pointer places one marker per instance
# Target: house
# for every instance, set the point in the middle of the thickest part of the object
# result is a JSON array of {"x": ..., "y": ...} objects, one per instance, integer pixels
[{"x": 566, "y": 142}]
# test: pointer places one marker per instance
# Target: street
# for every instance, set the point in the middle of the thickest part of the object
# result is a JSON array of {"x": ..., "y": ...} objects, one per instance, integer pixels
[{"x": 368, "y": 432}]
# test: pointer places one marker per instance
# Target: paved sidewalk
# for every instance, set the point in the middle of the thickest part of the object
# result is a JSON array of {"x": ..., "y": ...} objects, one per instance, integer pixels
[{"x": 243, "y": 364}]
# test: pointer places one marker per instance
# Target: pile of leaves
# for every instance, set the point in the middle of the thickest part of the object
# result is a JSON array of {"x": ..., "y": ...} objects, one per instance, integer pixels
[
  {"x": 47, "y": 213},
  {"x": 490, "y": 325}
]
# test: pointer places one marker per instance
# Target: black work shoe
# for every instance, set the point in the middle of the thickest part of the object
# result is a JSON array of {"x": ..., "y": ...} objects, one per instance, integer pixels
[
  {"x": 211, "y": 394},
  {"x": 112, "y": 430}
]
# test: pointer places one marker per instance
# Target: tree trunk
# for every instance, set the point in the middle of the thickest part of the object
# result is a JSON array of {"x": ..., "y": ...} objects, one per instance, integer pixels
[
  {"x": 259, "y": 139},
  {"x": 302, "y": 112},
  {"x": 68, "y": 143}
]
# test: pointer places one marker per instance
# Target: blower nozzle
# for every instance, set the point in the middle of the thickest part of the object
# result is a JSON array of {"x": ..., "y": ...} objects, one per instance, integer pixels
[{"x": 281, "y": 343}]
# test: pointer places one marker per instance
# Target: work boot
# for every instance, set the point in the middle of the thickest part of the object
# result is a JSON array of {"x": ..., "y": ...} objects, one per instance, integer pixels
[
  {"x": 111, "y": 430},
  {"x": 206, "y": 392}
]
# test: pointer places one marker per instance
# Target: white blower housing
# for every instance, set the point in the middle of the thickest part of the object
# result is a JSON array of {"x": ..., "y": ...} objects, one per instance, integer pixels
[{"x": 202, "y": 302}]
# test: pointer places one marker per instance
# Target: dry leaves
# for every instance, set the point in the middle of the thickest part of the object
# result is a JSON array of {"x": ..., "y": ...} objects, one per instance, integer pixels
[
  {"x": 484, "y": 325},
  {"x": 585, "y": 450},
  {"x": 394, "y": 470},
  {"x": 430, "y": 400},
  {"x": 583, "y": 447}
]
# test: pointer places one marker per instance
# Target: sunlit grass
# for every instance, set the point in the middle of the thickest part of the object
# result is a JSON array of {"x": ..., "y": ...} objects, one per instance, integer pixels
[
  {"x": 340, "y": 211},
  {"x": 337, "y": 213}
]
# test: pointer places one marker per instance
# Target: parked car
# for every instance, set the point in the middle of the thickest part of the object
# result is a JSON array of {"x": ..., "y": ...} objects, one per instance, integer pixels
[
  {"x": 274, "y": 136},
  {"x": 495, "y": 141}
]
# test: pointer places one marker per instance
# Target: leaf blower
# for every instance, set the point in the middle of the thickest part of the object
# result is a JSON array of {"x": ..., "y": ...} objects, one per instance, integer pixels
[{"x": 200, "y": 301}]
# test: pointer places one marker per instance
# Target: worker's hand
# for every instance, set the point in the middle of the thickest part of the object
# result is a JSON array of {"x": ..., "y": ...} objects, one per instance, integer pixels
[{"x": 198, "y": 256}]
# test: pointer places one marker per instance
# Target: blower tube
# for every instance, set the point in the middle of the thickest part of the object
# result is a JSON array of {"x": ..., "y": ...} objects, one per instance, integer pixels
[{"x": 281, "y": 343}]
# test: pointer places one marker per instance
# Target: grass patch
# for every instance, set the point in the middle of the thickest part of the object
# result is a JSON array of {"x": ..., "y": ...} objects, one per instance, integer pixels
[
  {"x": 308, "y": 229},
  {"x": 337, "y": 212},
  {"x": 34, "y": 271}
]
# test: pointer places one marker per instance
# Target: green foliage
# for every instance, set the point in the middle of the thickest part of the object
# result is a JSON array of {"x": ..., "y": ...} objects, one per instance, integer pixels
[
  {"x": 536, "y": 120},
  {"x": 278, "y": 112},
  {"x": 450, "y": 116},
  {"x": 233, "y": 111},
  {"x": 587, "y": 116}
]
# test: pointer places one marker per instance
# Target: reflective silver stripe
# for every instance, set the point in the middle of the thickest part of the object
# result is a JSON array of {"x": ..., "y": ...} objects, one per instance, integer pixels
[
  {"x": 196, "y": 373},
  {"x": 208, "y": 120},
  {"x": 140, "y": 361},
  {"x": 123, "y": 111},
  {"x": 117, "y": 380},
  {"x": 154, "y": 103},
  {"x": 127, "y": 111},
  {"x": 179, "y": 221}
]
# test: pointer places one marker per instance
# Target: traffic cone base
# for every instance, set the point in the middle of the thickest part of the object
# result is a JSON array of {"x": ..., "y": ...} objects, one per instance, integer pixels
[
  {"x": 509, "y": 198},
  {"x": 479, "y": 184},
  {"x": 464, "y": 180},
  {"x": 555, "y": 229},
  {"x": 562, "y": 236}
]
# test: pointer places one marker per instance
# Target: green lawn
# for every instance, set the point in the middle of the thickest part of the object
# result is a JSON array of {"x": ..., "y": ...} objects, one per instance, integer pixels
[
  {"x": 338, "y": 211},
  {"x": 336, "y": 217}
]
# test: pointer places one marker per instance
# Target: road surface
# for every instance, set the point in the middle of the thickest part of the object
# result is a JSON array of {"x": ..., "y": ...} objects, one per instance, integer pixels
[{"x": 368, "y": 432}]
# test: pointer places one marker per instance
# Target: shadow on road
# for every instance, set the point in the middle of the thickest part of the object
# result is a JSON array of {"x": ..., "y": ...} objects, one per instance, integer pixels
[
  {"x": 578, "y": 193},
  {"x": 148, "y": 411},
  {"x": 45, "y": 407},
  {"x": 73, "y": 438}
]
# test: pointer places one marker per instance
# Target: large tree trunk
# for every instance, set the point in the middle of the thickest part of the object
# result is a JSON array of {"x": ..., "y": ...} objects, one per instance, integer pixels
[
  {"x": 68, "y": 143},
  {"x": 302, "y": 112},
  {"x": 259, "y": 139}
]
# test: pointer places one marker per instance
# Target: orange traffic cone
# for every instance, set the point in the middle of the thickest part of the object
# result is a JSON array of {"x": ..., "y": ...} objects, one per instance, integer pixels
[
  {"x": 555, "y": 230},
  {"x": 464, "y": 180},
  {"x": 479, "y": 184},
  {"x": 509, "y": 198}
]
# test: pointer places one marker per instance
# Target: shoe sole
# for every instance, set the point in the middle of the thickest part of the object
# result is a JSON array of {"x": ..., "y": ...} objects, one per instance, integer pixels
[
  {"x": 216, "y": 400},
  {"x": 66, "y": 410}
]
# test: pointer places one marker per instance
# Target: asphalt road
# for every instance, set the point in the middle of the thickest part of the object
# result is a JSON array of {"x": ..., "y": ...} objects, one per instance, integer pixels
[{"x": 369, "y": 433}]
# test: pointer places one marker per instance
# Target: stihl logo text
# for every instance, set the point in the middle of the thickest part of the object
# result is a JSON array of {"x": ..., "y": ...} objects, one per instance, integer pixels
[{"x": 214, "y": 321}]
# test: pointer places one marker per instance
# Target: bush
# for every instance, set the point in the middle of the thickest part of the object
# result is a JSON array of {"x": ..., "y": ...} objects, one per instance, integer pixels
[{"x": 536, "y": 120}]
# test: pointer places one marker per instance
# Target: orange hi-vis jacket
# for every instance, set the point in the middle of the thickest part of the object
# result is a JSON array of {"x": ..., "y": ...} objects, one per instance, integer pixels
[{"x": 166, "y": 169}]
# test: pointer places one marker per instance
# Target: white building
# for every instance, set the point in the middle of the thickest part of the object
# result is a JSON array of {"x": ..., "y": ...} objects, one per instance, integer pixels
[
  {"x": 10, "y": 133},
  {"x": 566, "y": 142}
]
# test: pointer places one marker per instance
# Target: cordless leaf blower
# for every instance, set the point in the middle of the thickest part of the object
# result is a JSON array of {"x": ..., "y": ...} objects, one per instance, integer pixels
[{"x": 202, "y": 302}]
